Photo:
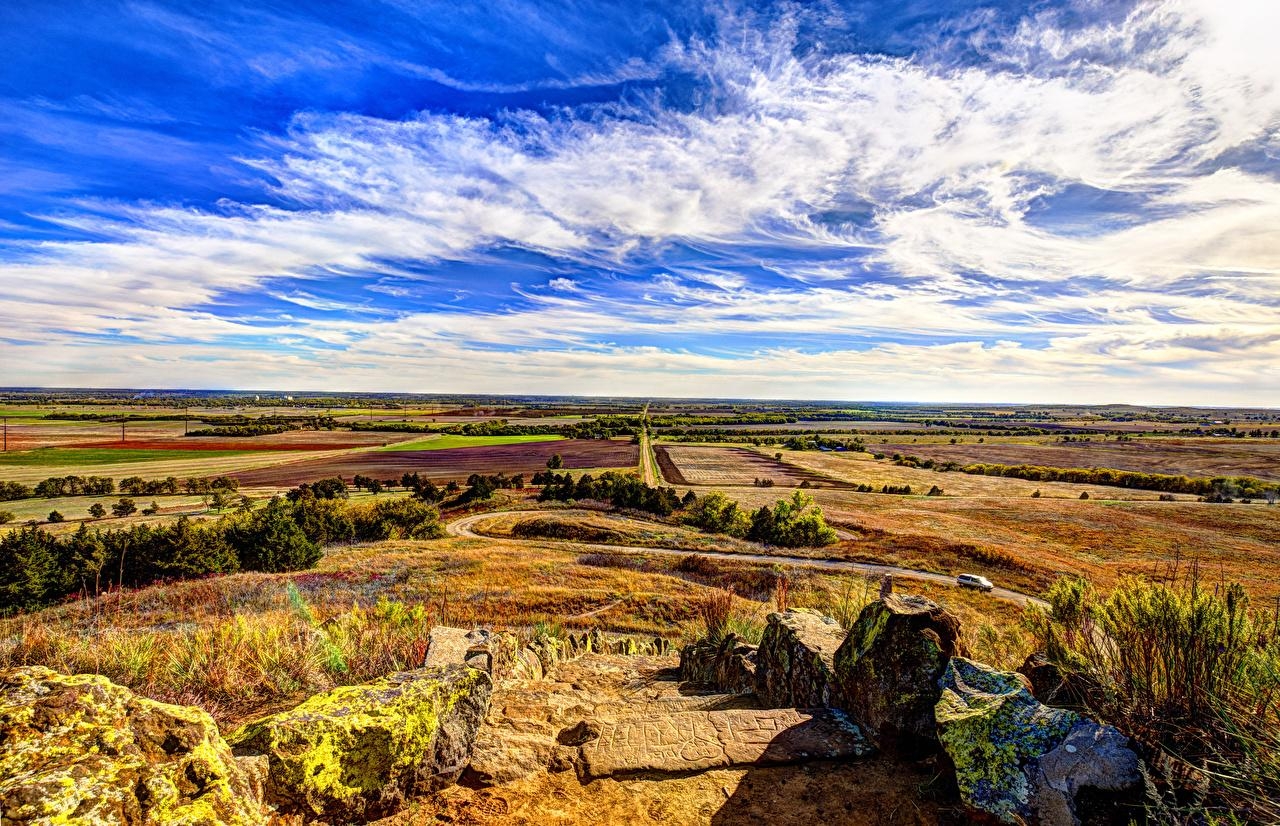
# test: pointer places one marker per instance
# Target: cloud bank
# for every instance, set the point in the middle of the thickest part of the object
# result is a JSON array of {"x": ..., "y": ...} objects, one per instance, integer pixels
[{"x": 1067, "y": 206}]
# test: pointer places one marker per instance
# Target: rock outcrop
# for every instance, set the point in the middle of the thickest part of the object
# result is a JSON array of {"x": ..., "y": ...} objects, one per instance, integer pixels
[
  {"x": 699, "y": 740},
  {"x": 728, "y": 666},
  {"x": 794, "y": 664},
  {"x": 887, "y": 669},
  {"x": 357, "y": 752},
  {"x": 1017, "y": 760},
  {"x": 81, "y": 749}
]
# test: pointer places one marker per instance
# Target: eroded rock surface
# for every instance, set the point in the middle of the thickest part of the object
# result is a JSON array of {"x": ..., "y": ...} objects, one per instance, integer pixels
[
  {"x": 83, "y": 750},
  {"x": 794, "y": 663},
  {"x": 1018, "y": 760},
  {"x": 887, "y": 670},
  {"x": 699, "y": 740},
  {"x": 728, "y": 666},
  {"x": 358, "y": 752},
  {"x": 531, "y": 724}
]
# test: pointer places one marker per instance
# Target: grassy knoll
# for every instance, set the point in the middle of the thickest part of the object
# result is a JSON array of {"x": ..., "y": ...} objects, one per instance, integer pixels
[
  {"x": 1042, "y": 538},
  {"x": 448, "y": 442}
]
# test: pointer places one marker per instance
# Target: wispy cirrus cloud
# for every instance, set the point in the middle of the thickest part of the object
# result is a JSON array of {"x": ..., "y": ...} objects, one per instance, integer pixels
[{"x": 1064, "y": 205}]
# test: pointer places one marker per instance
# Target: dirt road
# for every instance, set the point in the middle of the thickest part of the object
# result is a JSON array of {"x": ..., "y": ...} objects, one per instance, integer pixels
[{"x": 464, "y": 527}]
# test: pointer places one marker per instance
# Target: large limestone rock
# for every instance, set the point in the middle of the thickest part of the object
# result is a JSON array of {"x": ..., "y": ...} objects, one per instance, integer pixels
[
  {"x": 887, "y": 669},
  {"x": 82, "y": 750},
  {"x": 794, "y": 667},
  {"x": 357, "y": 752},
  {"x": 1017, "y": 760},
  {"x": 729, "y": 665}
]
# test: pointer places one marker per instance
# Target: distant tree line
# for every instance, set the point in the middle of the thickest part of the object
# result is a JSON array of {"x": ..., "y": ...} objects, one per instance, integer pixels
[
  {"x": 244, "y": 426},
  {"x": 1245, "y": 486},
  {"x": 105, "y": 486},
  {"x": 596, "y": 429},
  {"x": 38, "y": 568}
]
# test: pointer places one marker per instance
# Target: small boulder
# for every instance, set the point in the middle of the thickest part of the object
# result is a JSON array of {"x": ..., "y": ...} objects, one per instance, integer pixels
[
  {"x": 887, "y": 669},
  {"x": 82, "y": 750},
  {"x": 450, "y": 646},
  {"x": 729, "y": 666},
  {"x": 1017, "y": 760},
  {"x": 358, "y": 752},
  {"x": 794, "y": 667}
]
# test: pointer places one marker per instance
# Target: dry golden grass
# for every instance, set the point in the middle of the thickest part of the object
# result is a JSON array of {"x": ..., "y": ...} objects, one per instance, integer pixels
[
  {"x": 1100, "y": 540},
  {"x": 861, "y": 468},
  {"x": 1190, "y": 457}
]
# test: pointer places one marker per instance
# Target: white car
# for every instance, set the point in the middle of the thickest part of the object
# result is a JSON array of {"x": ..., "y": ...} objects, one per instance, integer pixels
[{"x": 974, "y": 581}]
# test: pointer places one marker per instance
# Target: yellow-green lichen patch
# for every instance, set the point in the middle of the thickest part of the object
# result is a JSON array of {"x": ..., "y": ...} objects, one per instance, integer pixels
[
  {"x": 81, "y": 750},
  {"x": 358, "y": 751},
  {"x": 994, "y": 731}
]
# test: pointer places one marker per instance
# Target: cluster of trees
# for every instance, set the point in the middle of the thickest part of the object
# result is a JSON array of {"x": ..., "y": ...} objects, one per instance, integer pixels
[
  {"x": 898, "y": 490},
  {"x": 482, "y": 486},
  {"x": 1219, "y": 486},
  {"x": 622, "y": 490},
  {"x": 11, "y": 491},
  {"x": 243, "y": 430},
  {"x": 75, "y": 486},
  {"x": 791, "y": 523},
  {"x": 38, "y": 568},
  {"x": 817, "y": 442},
  {"x": 330, "y": 488},
  {"x": 263, "y": 425}
]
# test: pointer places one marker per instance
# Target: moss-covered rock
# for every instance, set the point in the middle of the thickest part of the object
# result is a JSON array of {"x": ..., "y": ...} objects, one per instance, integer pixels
[
  {"x": 81, "y": 750},
  {"x": 358, "y": 752},
  {"x": 794, "y": 666},
  {"x": 887, "y": 669},
  {"x": 995, "y": 732}
]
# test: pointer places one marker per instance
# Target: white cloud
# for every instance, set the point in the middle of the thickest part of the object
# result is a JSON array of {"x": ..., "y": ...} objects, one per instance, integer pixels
[{"x": 951, "y": 164}]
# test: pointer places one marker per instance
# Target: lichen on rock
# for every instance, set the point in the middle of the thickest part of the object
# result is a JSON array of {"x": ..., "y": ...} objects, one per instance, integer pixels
[
  {"x": 887, "y": 669},
  {"x": 80, "y": 749},
  {"x": 1018, "y": 760},
  {"x": 794, "y": 663},
  {"x": 359, "y": 752}
]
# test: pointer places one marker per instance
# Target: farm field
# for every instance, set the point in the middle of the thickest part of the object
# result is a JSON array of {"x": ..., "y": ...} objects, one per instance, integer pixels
[
  {"x": 1190, "y": 457},
  {"x": 861, "y": 468},
  {"x": 455, "y": 464},
  {"x": 730, "y": 466},
  {"x": 92, "y": 457},
  {"x": 201, "y": 463},
  {"x": 448, "y": 441}
]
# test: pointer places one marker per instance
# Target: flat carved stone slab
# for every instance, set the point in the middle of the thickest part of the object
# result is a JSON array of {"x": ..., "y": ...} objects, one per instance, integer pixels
[{"x": 700, "y": 740}]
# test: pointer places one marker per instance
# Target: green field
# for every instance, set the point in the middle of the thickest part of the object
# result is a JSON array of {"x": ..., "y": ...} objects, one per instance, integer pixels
[
  {"x": 67, "y": 456},
  {"x": 447, "y": 442}
]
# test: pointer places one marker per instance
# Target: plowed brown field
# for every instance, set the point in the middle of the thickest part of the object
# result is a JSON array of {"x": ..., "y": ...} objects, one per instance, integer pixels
[{"x": 458, "y": 463}]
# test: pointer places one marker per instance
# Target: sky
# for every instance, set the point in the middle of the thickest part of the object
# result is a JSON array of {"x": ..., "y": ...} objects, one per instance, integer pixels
[{"x": 1060, "y": 201}]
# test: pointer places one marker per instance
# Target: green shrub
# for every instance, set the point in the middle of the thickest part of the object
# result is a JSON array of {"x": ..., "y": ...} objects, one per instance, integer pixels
[{"x": 1190, "y": 670}]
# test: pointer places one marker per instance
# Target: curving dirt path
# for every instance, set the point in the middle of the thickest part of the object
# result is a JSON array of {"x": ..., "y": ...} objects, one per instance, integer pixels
[{"x": 463, "y": 527}]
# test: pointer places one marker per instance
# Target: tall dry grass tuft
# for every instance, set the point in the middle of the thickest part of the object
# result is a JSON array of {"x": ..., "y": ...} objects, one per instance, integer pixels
[
  {"x": 231, "y": 663},
  {"x": 1189, "y": 670},
  {"x": 715, "y": 609}
]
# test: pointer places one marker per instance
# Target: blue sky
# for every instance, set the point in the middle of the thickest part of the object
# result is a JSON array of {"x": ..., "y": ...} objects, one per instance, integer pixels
[{"x": 968, "y": 201}]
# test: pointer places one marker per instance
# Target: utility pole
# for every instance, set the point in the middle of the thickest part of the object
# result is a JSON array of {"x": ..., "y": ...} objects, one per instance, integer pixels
[
  {"x": 6, "y": 434},
  {"x": 122, "y": 432}
]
